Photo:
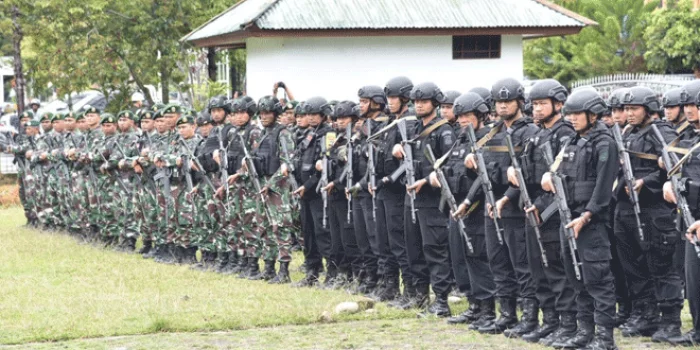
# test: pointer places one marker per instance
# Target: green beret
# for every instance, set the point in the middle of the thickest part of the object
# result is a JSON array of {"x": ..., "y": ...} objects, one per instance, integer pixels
[
  {"x": 185, "y": 120},
  {"x": 157, "y": 107},
  {"x": 291, "y": 105},
  {"x": 146, "y": 114},
  {"x": 32, "y": 123},
  {"x": 79, "y": 116},
  {"x": 46, "y": 116},
  {"x": 127, "y": 114},
  {"x": 108, "y": 118},
  {"x": 158, "y": 114},
  {"x": 70, "y": 115},
  {"x": 172, "y": 108},
  {"x": 90, "y": 109},
  {"x": 27, "y": 114},
  {"x": 58, "y": 116}
]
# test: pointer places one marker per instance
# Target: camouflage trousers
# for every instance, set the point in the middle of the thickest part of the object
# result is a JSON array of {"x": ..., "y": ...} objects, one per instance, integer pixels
[
  {"x": 110, "y": 202},
  {"x": 80, "y": 203},
  {"x": 185, "y": 216},
  {"x": 147, "y": 209},
  {"x": 126, "y": 213},
  {"x": 208, "y": 219},
  {"x": 30, "y": 195},
  {"x": 229, "y": 237}
]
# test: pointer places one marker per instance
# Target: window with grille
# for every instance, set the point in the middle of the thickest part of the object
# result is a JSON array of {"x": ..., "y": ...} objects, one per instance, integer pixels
[{"x": 476, "y": 46}]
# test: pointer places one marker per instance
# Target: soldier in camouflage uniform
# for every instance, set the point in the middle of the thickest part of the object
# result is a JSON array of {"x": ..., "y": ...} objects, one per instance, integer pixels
[
  {"x": 72, "y": 184},
  {"x": 108, "y": 193},
  {"x": 19, "y": 149},
  {"x": 147, "y": 201},
  {"x": 126, "y": 148},
  {"x": 80, "y": 175},
  {"x": 92, "y": 140}
]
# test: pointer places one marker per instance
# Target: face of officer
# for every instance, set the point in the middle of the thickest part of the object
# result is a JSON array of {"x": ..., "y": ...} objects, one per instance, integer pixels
[
  {"x": 186, "y": 130},
  {"x": 691, "y": 113},
  {"x": 365, "y": 106},
  {"x": 58, "y": 126},
  {"x": 579, "y": 120},
  {"x": 467, "y": 119},
  {"x": 161, "y": 125},
  {"x": 147, "y": 125},
  {"x": 93, "y": 120},
  {"x": 171, "y": 119},
  {"x": 32, "y": 130},
  {"x": 446, "y": 112},
  {"x": 424, "y": 108},
  {"x": 267, "y": 119},
  {"x": 543, "y": 108},
  {"x": 69, "y": 124},
  {"x": 83, "y": 125},
  {"x": 287, "y": 118},
  {"x": 673, "y": 113},
  {"x": 218, "y": 115},
  {"x": 394, "y": 104},
  {"x": 240, "y": 118},
  {"x": 607, "y": 120},
  {"x": 205, "y": 129},
  {"x": 46, "y": 125},
  {"x": 619, "y": 117},
  {"x": 342, "y": 123},
  {"x": 125, "y": 124},
  {"x": 302, "y": 121},
  {"x": 507, "y": 110},
  {"x": 635, "y": 114},
  {"x": 314, "y": 119},
  {"x": 109, "y": 129}
]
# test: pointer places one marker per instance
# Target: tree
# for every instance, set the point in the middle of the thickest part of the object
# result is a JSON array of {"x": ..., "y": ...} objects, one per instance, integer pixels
[
  {"x": 673, "y": 39},
  {"x": 615, "y": 45}
]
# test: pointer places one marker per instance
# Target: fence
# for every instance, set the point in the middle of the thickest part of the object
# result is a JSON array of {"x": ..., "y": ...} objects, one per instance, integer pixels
[{"x": 660, "y": 83}]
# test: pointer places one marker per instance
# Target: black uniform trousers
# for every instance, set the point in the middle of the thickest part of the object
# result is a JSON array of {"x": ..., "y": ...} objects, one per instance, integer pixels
[
  {"x": 481, "y": 284},
  {"x": 419, "y": 273},
  {"x": 508, "y": 261},
  {"x": 365, "y": 230},
  {"x": 651, "y": 273},
  {"x": 458, "y": 258},
  {"x": 595, "y": 292},
  {"x": 553, "y": 290},
  {"x": 312, "y": 256},
  {"x": 315, "y": 236},
  {"x": 391, "y": 237},
  {"x": 344, "y": 249},
  {"x": 692, "y": 277},
  {"x": 434, "y": 236},
  {"x": 621, "y": 293}
]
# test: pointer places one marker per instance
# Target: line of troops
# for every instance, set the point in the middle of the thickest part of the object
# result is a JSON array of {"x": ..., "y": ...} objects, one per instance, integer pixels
[{"x": 567, "y": 204}]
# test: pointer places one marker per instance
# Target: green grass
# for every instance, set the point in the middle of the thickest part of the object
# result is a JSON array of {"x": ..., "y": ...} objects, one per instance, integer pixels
[{"x": 60, "y": 294}]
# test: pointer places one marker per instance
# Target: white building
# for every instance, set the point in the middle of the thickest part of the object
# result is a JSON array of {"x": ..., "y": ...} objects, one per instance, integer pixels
[{"x": 334, "y": 47}]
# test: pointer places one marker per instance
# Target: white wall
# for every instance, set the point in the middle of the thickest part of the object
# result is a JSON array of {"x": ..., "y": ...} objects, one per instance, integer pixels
[{"x": 337, "y": 67}]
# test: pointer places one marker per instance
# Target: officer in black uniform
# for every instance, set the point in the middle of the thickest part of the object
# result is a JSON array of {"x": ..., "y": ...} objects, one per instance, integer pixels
[
  {"x": 390, "y": 199},
  {"x": 317, "y": 241},
  {"x": 366, "y": 211},
  {"x": 508, "y": 259},
  {"x": 690, "y": 176},
  {"x": 345, "y": 252},
  {"x": 554, "y": 292},
  {"x": 618, "y": 110},
  {"x": 470, "y": 109},
  {"x": 589, "y": 165},
  {"x": 446, "y": 108},
  {"x": 653, "y": 280},
  {"x": 674, "y": 113},
  {"x": 431, "y": 223}
]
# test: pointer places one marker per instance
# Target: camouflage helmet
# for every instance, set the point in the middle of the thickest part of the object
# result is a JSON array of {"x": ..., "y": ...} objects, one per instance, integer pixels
[
  {"x": 270, "y": 104},
  {"x": 548, "y": 88},
  {"x": 218, "y": 102},
  {"x": 469, "y": 102},
  {"x": 244, "y": 104},
  {"x": 373, "y": 93},
  {"x": 399, "y": 87},
  {"x": 507, "y": 90}
]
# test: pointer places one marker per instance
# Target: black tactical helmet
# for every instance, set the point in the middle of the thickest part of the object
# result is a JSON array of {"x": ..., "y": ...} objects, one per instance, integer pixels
[
  {"x": 642, "y": 96},
  {"x": 469, "y": 102},
  {"x": 399, "y": 87},
  {"x": 218, "y": 102},
  {"x": 374, "y": 93},
  {"x": 298, "y": 108},
  {"x": 316, "y": 105},
  {"x": 346, "y": 109},
  {"x": 672, "y": 97},
  {"x": 450, "y": 97},
  {"x": 485, "y": 94},
  {"x": 585, "y": 100},
  {"x": 691, "y": 93},
  {"x": 507, "y": 90},
  {"x": 270, "y": 104},
  {"x": 615, "y": 99},
  {"x": 244, "y": 104},
  {"x": 427, "y": 91},
  {"x": 548, "y": 88}
]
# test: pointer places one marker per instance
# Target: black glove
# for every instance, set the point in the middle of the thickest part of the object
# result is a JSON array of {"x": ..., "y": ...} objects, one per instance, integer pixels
[{"x": 281, "y": 84}]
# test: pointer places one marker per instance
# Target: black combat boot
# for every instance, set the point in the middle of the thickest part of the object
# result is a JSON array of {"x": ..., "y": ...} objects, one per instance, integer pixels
[
  {"x": 240, "y": 264},
  {"x": 390, "y": 291},
  {"x": 420, "y": 298},
  {"x": 147, "y": 246},
  {"x": 623, "y": 313},
  {"x": 567, "y": 330},
  {"x": 160, "y": 252},
  {"x": 233, "y": 261},
  {"x": 221, "y": 261},
  {"x": 670, "y": 325},
  {"x": 528, "y": 321},
  {"x": 368, "y": 282},
  {"x": 283, "y": 274},
  {"x": 331, "y": 275},
  {"x": 486, "y": 316},
  {"x": 130, "y": 244},
  {"x": 550, "y": 323},
  {"x": 439, "y": 307},
  {"x": 252, "y": 271},
  {"x": 269, "y": 273},
  {"x": 635, "y": 315},
  {"x": 647, "y": 324},
  {"x": 409, "y": 291},
  {"x": 603, "y": 340},
  {"x": 190, "y": 257},
  {"x": 379, "y": 288},
  {"x": 206, "y": 263},
  {"x": 310, "y": 279},
  {"x": 468, "y": 316},
  {"x": 584, "y": 335},
  {"x": 691, "y": 338},
  {"x": 508, "y": 318}
]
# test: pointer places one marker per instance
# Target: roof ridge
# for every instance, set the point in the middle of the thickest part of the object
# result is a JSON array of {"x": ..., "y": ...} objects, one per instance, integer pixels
[
  {"x": 259, "y": 15},
  {"x": 184, "y": 38},
  {"x": 566, "y": 12}
]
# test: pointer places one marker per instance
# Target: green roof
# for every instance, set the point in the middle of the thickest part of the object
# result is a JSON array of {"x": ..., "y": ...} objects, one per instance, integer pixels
[{"x": 248, "y": 17}]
